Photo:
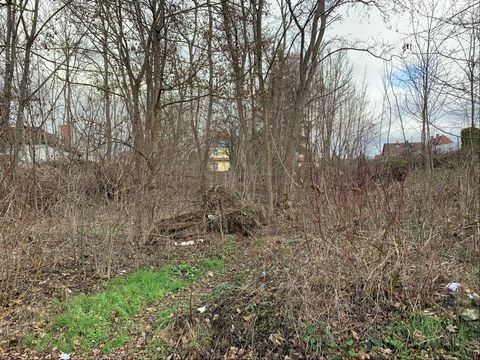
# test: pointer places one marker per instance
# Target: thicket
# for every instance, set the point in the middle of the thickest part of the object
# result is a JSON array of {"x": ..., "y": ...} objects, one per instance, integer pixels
[{"x": 471, "y": 140}]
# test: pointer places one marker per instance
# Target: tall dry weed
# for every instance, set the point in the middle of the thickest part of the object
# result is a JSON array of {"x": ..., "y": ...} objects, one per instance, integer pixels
[{"x": 378, "y": 244}]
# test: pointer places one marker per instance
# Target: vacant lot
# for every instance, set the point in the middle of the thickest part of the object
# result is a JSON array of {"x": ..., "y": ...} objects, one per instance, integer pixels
[{"x": 341, "y": 271}]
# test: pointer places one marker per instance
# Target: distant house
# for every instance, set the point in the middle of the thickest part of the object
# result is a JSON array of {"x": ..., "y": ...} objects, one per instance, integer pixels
[
  {"x": 219, "y": 160},
  {"x": 34, "y": 144},
  {"x": 398, "y": 148},
  {"x": 440, "y": 144}
]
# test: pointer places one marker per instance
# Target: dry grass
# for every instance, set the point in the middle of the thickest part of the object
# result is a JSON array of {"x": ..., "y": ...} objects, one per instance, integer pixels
[
  {"x": 72, "y": 216},
  {"x": 388, "y": 245}
]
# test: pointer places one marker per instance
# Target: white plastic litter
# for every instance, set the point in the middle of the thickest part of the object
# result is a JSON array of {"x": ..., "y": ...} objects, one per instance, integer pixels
[
  {"x": 188, "y": 243},
  {"x": 453, "y": 287},
  {"x": 202, "y": 309},
  {"x": 64, "y": 356}
]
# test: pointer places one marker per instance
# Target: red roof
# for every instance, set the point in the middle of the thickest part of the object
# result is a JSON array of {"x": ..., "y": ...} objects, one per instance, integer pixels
[
  {"x": 393, "y": 149},
  {"x": 398, "y": 148},
  {"x": 441, "y": 140}
]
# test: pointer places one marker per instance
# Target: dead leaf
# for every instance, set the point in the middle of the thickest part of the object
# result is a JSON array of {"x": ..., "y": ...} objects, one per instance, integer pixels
[
  {"x": 363, "y": 356},
  {"x": 277, "y": 339},
  {"x": 249, "y": 317},
  {"x": 452, "y": 328},
  {"x": 387, "y": 352},
  {"x": 419, "y": 336}
]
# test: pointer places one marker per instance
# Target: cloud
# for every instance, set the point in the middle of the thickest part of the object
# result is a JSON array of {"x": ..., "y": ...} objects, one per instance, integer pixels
[{"x": 366, "y": 28}]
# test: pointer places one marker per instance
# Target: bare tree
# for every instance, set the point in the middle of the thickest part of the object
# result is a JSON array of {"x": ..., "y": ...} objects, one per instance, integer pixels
[
  {"x": 466, "y": 56},
  {"x": 10, "y": 59},
  {"x": 235, "y": 34},
  {"x": 422, "y": 66}
]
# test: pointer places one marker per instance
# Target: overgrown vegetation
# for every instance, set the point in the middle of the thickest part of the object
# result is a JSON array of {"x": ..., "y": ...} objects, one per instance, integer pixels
[
  {"x": 471, "y": 140},
  {"x": 353, "y": 252},
  {"x": 139, "y": 137}
]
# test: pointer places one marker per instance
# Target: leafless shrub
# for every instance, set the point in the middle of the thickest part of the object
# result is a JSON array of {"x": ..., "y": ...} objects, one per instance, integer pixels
[{"x": 375, "y": 248}]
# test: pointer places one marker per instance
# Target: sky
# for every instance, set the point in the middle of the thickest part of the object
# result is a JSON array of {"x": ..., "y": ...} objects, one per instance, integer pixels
[{"x": 369, "y": 27}]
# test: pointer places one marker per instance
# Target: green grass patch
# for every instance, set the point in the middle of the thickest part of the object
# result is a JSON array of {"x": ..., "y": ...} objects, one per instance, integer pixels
[
  {"x": 426, "y": 335},
  {"x": 227, "y": 288},
  {"x": 103, "y": 319},
  {"x": 192, "y": 272}
]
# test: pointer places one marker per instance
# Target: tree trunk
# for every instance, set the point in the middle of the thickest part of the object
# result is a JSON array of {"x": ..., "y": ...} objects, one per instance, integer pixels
[
  {"x": 206, "y": 152},
  {"x": 24, "y": 88}
]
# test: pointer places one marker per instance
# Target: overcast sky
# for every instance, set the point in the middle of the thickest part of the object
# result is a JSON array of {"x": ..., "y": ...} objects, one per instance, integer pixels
[{"x": 369, "y": 27}]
